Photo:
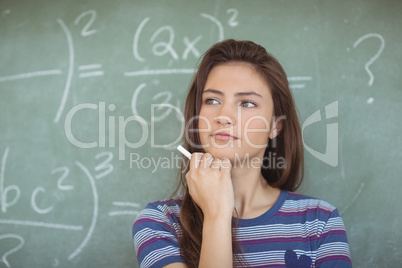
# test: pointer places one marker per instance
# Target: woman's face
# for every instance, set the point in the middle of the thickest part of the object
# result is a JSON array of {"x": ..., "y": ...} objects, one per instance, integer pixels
[{"x": 236, "y": 113}]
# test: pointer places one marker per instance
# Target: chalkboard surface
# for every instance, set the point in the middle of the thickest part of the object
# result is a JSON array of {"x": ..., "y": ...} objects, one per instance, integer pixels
[{"x": 84, "y": 148}]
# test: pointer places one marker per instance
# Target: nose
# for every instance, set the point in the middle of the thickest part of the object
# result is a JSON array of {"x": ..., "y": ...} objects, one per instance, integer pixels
[
  {"x": 223, "y": 120},
  {"x": 226, "y": 116}
]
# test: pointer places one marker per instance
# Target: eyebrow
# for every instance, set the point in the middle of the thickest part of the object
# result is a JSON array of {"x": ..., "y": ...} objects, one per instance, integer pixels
[{"x": 218, "y": 92}]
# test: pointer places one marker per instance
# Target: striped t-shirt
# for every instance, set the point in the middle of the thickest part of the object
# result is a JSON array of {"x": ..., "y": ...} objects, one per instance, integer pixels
[{"x": 298, "y": 231}]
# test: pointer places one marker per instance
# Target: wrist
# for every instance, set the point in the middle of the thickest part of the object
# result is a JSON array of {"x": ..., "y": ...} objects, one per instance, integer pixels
[
  {"x": 218, "y": 213},
  {"x": 217, "y": 220},
  {"x": 216, "y": 248}
]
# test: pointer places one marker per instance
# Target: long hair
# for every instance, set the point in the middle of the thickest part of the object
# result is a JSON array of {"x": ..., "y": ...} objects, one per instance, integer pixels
[{"x": 287, "y": 144}]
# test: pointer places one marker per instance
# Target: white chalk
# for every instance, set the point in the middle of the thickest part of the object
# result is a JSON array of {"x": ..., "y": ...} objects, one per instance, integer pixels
[{"x": 184, "y": 151}]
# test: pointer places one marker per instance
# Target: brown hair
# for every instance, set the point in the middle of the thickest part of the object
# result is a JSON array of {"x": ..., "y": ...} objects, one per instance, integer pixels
[{"x": 288, "y": 144}]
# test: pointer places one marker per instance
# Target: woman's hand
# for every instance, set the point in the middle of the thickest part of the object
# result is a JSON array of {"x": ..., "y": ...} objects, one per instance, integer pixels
[{"x": 210, "y": 185}]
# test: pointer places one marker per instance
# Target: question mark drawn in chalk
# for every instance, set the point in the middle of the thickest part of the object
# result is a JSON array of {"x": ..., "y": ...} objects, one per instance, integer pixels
[
  {"x": 375, "y": 57},
  {"x": 11, "y": 251}
]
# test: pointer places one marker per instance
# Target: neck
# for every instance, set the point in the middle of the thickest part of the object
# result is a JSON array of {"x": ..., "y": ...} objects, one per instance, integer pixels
[{"x": 253, "y": 195}]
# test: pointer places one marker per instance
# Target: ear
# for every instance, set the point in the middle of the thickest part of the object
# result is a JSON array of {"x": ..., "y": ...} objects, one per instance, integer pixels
[{"x": 275, "y": 129}]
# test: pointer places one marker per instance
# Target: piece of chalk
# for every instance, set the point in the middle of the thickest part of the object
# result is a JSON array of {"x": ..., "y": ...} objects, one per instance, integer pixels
[{"x": 184, "y": 151}]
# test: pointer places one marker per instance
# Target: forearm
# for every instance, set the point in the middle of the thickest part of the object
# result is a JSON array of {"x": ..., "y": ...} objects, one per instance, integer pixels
[{"x": 216, "y": 248}]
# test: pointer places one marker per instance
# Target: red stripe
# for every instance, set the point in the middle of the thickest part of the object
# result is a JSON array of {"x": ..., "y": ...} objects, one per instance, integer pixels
[{"x": 333, "y": 258}]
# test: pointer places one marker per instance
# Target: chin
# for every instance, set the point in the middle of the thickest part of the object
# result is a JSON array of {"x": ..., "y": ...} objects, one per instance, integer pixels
[{"x": 222, "y": 152}]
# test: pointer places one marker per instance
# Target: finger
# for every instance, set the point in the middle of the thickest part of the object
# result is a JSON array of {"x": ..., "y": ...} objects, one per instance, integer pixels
[
  {"x": 225, "y": 164},
  {"x": 187, "y": 178},
  {"x": 196, "y": 160},
  {"x": 216, "y": 163},
  {"x": 207, "y": 159},
  {"x": 189, "y": 183}
]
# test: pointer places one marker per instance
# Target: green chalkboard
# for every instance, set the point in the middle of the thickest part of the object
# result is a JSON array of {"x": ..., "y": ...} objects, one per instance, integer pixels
[{"x": 83, "y": 148}]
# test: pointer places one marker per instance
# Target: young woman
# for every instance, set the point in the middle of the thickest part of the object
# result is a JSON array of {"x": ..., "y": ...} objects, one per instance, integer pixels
[{"x": 237, "y": 206}]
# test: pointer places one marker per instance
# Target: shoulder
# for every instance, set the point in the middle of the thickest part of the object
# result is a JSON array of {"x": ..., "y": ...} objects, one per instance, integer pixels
[
  {"x": 318, "y": 214},
  {"x": 298, "y": 203},
  {"x": 156, "y": 233},
  {"x": 163, "y": 211},
  {"x": 168, "y": 208},
  {"x": 304, "y": 209}
]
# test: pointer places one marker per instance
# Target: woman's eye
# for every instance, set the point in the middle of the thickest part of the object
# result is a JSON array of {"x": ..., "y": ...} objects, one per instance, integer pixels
[
  {"x": 211, "y": 101},
  {"x": 248, "y": 104}
]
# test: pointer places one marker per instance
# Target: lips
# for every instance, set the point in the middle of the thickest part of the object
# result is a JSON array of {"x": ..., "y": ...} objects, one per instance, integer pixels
[{"x": 223, "y": 136}]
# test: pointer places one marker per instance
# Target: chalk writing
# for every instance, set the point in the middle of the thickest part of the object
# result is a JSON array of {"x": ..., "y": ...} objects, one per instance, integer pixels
[
  {"x": 125, "y": 212},
  {"x": 160, "y": 72},
  {"x": 232, "y": 21},
  {"x": 166, "y": 97},
  {"x": 94, "y": 215},
  {"x": 5, "y": 190},
  {"x": 375, "y": 57},
  {"x": 105, "y": 165},
  {"x": 135, "y": 97},
  {"x": 166, "y": 47},
  {"x": 60, "y": 184},
  {"x": 13, "y": 250},
  {"x": 29, "y": 75},
  {"x": 162, "y": 48},
  {"x": 105, "y": 168},
  {"x": 218, "y": 24},
  {"x": 91, "y": 70},
  {"x": 136, "y": 40},
  {"x": 42, "y": 224},
  {"x": 70, "y": 70},
  {"x": 190, "y": 47},
  {"x": 33, "y": 202},
  {"x": 85, "y": 31},
  {"x": 298, "y": 78},
  {"x": 357, "y": 194}
]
